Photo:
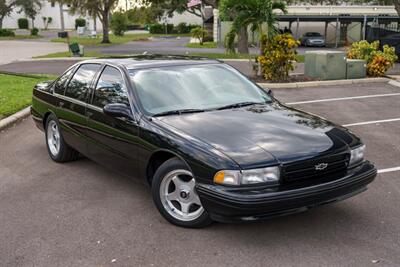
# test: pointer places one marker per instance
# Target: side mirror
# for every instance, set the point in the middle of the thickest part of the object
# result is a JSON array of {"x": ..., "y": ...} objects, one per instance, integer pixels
[
  {"x": 118, "y": 110},
  {"x": 270, "y": 93}
]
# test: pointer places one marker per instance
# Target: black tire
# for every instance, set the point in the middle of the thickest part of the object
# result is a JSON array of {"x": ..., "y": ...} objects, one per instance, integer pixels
[
  {"x": 65, "y": 152},
  {"x": 167, "y": 167}
]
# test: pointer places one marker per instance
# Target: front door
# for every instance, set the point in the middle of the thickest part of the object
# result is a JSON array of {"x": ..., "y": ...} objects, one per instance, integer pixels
[{"x": 112, "y": 141}]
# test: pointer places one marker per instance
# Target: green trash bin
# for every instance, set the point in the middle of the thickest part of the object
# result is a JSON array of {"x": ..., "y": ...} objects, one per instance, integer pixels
[{"x": 74, "y": 47}]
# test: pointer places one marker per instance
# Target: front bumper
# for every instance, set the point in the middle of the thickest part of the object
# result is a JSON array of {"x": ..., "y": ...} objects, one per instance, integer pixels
[
  {"x": 226, "y": 204},
  {"x": 316, "y": 43}
]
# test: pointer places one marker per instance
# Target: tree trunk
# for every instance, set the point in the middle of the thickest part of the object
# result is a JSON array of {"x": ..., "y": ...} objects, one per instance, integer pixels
[
  {"x": 243, "y": 40},
  {"x": 95, "y": 23},
  {"x": 397, "y": 6},
  {"x": 61, "y": 16},
  {"x": 1, "y": 23},
  {"x": 105, "y": 23}
]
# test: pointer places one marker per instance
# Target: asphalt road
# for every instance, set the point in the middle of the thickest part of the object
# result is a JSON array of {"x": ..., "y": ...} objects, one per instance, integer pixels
[
  {"x": 81, "y": 214},
  {"x": 177, "y": 46}
]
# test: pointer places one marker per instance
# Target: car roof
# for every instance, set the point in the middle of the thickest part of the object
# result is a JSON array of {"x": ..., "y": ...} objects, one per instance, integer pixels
[{"x": 151, "y": 61}]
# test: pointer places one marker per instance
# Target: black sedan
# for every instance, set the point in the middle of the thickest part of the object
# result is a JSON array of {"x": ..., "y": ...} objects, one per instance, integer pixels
[{"x": 212, "y": 145}]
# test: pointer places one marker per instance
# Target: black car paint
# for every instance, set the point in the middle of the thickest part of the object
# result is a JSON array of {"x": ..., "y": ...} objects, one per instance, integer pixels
[{"x": 242, "y": 138}]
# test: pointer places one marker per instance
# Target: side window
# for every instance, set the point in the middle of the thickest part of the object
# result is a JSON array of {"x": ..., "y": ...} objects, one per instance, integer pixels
[
  {"x": 59, "y": 85},
  {"x": 110, "y": 88},
  {"x": 78, "y": 86}
]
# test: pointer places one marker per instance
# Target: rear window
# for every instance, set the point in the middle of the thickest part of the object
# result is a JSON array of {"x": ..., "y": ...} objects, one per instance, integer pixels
[{"x": 59, "y": 85}]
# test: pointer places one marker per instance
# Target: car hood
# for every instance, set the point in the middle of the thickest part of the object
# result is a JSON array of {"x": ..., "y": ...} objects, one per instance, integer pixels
[{"x": 263, "y": 134}]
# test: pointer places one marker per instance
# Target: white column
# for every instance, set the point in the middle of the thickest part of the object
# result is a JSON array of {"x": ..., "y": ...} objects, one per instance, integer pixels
[{"x": 216, "y": 26}]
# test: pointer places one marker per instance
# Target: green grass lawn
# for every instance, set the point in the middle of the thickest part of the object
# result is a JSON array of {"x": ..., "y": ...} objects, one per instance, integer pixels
[
  {"x": 205, "y": 45},
  {"x": 20, "y": 37},
  {"x": 88, "y": 41},
  {"x": 300, "y": 58},
  {"x": 16, "y": 92}
]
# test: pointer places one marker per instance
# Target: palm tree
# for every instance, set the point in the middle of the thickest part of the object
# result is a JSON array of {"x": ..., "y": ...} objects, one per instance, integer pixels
[{"x": 250, "y": 12}]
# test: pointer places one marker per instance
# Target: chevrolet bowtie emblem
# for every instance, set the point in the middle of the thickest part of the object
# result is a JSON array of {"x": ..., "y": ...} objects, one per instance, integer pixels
[{"x": 321, "y": 166}]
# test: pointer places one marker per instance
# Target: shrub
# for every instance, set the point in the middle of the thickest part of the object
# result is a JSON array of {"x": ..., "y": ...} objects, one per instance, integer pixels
[
  {"x": 34, "y": 31},
  {"x": 119, "y": 23},
  {"x": 363, "y": 50},
  {"x": 6, "y": 33},
  {"x": 160, "y": 28},
  {"x": 23, "y": 23},
  {"x": 381, "y": 61},
  {"x": 199, "y": 33},
  {"x": 278, "y": 58},
  {"x": 208, "y": 38},
  {"x": 183, "y": 27},
  {"x": 80, "y": 22},
  {"x": 47, "y": 21},
  {"x": 378, "y": 61}
]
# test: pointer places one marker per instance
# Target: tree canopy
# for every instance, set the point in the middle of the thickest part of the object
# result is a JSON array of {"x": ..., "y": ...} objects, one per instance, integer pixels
[
  {"x": 250, "y": 13},
  {"x": 6, "y": 6},
  {"x": 98, "y": 8},
  {"x": 30, "y": 7}
]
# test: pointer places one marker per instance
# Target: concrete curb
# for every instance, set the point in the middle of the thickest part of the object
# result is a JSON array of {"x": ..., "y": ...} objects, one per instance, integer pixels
[
  {"x": 11, "y": 120},
  {"x": 322, "y": 83}
]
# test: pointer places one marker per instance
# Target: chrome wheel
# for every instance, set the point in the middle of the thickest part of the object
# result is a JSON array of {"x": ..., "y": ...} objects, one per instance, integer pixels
[
  {"x": 53, "y": 138},
  {"x": 179, "y": 197}
]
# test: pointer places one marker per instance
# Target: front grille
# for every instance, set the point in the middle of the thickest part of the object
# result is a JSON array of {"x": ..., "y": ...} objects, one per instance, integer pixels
[{"x": 305, "y": 171}]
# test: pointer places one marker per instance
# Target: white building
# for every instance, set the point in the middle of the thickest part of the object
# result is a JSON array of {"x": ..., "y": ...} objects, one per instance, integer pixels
[{"x": 49, "y": 10}]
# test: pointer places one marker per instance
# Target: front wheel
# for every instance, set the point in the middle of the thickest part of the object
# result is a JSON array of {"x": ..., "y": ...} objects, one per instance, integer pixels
[{"x": 173, "y": 190}]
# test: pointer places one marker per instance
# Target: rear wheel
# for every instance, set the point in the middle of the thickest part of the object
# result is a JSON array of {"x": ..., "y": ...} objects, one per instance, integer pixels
[
  {"x": 174, "y": 193},
  {"x": 58, "y": 150}
]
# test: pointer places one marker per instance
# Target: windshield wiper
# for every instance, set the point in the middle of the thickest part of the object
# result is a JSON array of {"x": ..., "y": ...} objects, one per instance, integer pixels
[
  {"x": 178, "y": 112},
  {"x": 239, "y": 105}
]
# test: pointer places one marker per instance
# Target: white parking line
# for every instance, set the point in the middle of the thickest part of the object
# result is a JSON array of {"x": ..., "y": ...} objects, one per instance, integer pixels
[
  {"x": 341, "y": 99},
  {"x": 370, "y": 122},
  {"x": 394, "y": 169}
]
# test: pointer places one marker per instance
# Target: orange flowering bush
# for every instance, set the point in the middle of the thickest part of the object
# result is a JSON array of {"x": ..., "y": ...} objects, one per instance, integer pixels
[
  {"x": 378, "y": 62},
  {"x": 279, "y": 57}
]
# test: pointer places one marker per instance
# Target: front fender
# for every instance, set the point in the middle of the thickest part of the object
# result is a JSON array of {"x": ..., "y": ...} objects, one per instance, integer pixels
[{"x": 202, "y": 159}]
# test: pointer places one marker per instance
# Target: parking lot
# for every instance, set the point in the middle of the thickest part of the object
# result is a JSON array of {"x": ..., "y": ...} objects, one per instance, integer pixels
[{"x": 81, "y": 214}]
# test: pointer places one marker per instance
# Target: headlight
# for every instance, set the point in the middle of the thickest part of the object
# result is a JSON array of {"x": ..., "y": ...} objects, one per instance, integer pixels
[
  {"x": 268, "y": 176},
  {"x": 357, "y": 155}
]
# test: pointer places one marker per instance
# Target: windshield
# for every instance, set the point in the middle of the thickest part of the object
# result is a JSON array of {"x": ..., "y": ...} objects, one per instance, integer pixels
[
  {"x": 195, "y": 87},
  {"x": 313, "y": 34}
]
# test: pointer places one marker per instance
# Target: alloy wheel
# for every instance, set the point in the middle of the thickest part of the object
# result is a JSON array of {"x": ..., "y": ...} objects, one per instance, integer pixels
[
  {"x": 53, "y": 138},
  {"x": 179, "y": 197}
]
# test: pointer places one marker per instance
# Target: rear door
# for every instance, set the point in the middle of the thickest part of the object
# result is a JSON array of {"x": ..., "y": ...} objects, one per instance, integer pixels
[
  {"x": 72, "y": 106},
  {"x": 112, "y": 141}
]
